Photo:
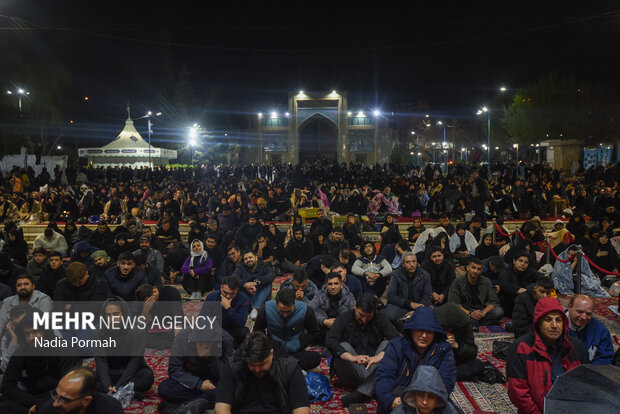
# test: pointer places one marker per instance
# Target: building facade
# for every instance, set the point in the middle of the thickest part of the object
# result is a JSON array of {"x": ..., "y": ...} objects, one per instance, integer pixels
[{"x": 321, "y": 125}]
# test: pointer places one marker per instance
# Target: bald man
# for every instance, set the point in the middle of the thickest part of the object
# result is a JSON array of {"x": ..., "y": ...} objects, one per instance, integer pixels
[
  {"x": 75, "y": 394},
  {"x": 589, "y": 330}
]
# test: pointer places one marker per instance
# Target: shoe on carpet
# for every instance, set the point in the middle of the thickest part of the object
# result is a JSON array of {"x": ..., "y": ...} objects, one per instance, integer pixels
[
  {"x": 355, "y": 397},
  {"x": 254, "y": 314}
]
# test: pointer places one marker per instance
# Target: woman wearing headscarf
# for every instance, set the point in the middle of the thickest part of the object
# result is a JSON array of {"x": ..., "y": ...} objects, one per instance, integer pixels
[
  {"x": 16, "y": 247},
  {"x": 603, "y": 254},
  {"x": 486, "y": 248},
  {"x": 196, "y": 271},
  {"x": 442, "y": 240},
  {"x": 415, "y": 230},
  {"x": 462, "y": 242}
]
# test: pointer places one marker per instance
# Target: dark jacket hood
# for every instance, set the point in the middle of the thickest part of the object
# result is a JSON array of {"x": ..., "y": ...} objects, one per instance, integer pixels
[
  {"x": 451, "y": 316},
  {"x": 424, "y": 319},
  {"x": 426, "y": 378}
]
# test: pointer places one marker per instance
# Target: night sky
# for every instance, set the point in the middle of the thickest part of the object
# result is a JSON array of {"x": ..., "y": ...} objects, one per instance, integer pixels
[{"x": 245, "y": 59}]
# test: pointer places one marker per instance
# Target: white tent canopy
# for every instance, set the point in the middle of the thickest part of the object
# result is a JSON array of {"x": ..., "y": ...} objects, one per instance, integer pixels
[{"x": 128, "y": 149}]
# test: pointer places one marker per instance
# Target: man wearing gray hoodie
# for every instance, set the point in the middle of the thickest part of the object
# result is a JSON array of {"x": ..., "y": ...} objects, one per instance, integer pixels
[{"x": 425, "y": 394}]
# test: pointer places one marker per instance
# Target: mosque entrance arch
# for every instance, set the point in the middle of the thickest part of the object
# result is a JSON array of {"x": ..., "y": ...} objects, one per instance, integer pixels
[{"x": 318, "y": 139}]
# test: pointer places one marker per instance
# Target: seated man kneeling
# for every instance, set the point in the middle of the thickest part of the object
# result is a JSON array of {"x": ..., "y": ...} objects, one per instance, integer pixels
[
  {"x": 333, "y": 299},
  {"x": 292, "y": 323},
  {"x": 476, "y": 296},
  {"x": 193, "y": 370}
]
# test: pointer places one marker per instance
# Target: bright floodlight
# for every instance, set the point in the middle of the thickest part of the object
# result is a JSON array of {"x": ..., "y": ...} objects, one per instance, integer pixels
[
  {"x": 9, "y": 92},
  {"x": 334, "y": 93},
  {"x": 479, "y": 112},
  {"x": 360, "y": 114},
  {"x": 411, "y": 153},
  {"x": 20, "y": 91},
  {"x": 193, "y": 134},
  {"x": 59, "y": 147},
  {"x": 349, "y": 113},
  {"x": 439, "y": 123},
  {"x": 496, "y": 148},
  {"x": 158, "y": 114},
  {"x": 428, "y": 116},
  {"x": 376, "y": 112},
  {"x": 149, "y": 113},
  {"x": 260, "y": 114},
  {"x": 503, "y": 89},
  {"x": 515, "y": 145},
  {"x": 485, "y": 109},
  {"x": 462, "y": 149},
  {"x": 412, "y": 132},
  {"x": 192, "y": 142},
  {"x": 286, "y": 114},
  {"x": 301, "y": 92},
  {"x": 428, "y": 125},
  {"x": 274, "y": 114}
]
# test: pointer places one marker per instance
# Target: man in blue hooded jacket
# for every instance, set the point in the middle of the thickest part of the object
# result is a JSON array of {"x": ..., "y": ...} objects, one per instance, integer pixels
[
  {"x": 591, "y": 332},
  {"x": 423, "y": 343}
]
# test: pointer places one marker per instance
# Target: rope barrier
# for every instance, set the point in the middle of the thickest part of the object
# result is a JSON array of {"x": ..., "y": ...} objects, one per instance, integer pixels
[
  {"x": 499, "y": 229},
  {"x": 556, "y": 256},
  {"x": 597, "y": 267}
]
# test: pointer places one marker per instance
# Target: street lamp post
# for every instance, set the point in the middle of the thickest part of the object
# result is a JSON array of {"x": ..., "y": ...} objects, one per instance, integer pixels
[
  {"x": 488, "y": 112},
  {"x": 19, "y": 92},
  {"x": 417, "y": 149},
  {"x": 149, "y": 131},
  {"x": 193, "y": 133}
]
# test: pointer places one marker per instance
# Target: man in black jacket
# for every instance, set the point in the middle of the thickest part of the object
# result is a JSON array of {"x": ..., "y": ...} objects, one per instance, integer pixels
[
  {"x": 75, "y": 393},
  {"x": 357, "y": 341},
  {"x": 442, "y": 275},
  {"x": 460, "y": 336},
  {"x": 28, "y": 379},
  {"x": 102, "y": 238},
  {"x": 80, "y": 286},
  {"x": 298, "y": 251},
  {"x": 259, "y": 382},
  {"x": 9, "y": 271},
  {"x": 53, "y": 272},
  {"x": 193, "y": 370},
  {"x": 125, "y": 279},
  {"x": 234, "y": 259},
  {"x": 479, "y": 195},
  {"x": 525, "y": 303},
  {"x": 101, "y": 262},
  {"x": 514, "y": 279}
]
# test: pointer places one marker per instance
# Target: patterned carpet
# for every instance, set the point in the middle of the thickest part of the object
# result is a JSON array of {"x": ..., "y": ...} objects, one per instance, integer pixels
[{"x": 469, "y": 396}]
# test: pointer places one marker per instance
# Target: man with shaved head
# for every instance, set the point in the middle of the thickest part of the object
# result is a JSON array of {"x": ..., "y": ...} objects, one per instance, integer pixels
[
  {"x": 75, "y": 394},
  {"x": 594, "y": 336}
]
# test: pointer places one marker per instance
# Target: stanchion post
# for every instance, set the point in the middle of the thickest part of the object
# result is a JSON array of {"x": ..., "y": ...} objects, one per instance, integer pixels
[
  {"x": 577, "y": 288},
  {"x": 516, "y": 235},
  {"x": 548, "y": 248},
  {"x": 494, "y": 227}
]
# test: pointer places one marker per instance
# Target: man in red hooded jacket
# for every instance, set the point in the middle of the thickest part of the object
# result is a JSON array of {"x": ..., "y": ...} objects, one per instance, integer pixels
[{"x": 536, "y": 359}]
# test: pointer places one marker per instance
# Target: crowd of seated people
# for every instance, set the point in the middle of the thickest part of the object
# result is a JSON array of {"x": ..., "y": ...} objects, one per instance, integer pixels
[{"x": 397, "y": 317}]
